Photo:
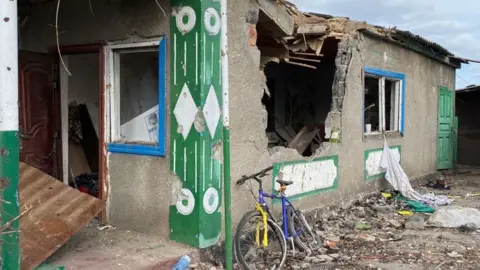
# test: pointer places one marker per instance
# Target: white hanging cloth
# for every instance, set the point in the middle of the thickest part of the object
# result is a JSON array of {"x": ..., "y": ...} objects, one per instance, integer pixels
[{"x": 397, "y": 177}]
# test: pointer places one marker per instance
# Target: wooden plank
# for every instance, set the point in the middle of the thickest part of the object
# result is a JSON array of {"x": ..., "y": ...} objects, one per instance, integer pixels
[
  {"x": 56, "y": 213},
  {"x": 303, "y": 140},
  {"x": 77, "y": 159}
]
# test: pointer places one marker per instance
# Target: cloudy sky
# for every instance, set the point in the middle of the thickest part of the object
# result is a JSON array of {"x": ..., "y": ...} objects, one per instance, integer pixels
[{"x": 453, "y": 24}]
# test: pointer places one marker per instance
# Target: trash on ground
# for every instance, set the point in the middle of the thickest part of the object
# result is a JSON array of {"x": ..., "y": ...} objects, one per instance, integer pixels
[
  {"x": 106, "y": 227},
  {"x": 405, "y": 212},
  {"x": 329, "y": 244},
  {"x": 386, "y": 195},
  {"x": 182, "y": 263},
  {"x": 416, "y": 206},
  {"x": 363, "y": 226}
]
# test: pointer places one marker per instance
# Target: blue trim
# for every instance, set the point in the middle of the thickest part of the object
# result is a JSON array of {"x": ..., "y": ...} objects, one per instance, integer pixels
[
  {"x": 392, "y": 75},
  {"x": 384, "y": 73},
  {"x": 150, "y": 150},
  {"x": 147, "y": 150},
  {"x": 162, "y": 51},
  {"x": 363, "y": 106},
  {"x": 402, "y": 123}
]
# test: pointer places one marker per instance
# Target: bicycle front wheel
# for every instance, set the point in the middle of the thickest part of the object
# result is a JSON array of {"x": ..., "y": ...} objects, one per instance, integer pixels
[{"x": 249, "y": 248}]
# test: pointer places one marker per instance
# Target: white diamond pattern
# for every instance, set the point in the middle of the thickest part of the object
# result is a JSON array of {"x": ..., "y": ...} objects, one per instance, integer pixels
[
  {"x": 211, "y": 111},
  {"x": 185, "y": 111}
]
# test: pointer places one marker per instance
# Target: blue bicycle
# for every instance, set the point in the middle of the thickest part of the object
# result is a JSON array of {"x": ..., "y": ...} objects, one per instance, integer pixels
[{"x": 260, "y": 240}]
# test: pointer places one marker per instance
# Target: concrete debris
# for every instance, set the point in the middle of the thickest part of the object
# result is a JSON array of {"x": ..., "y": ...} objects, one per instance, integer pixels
[
  {"x": 415, "y": 223},
  {"x": 454, "y": 217},
  {"x": 468, "y": 228}
]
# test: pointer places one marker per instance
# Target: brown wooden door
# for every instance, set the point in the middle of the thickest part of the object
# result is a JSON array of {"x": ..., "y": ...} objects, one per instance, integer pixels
[{"x": 39, "y": 113}]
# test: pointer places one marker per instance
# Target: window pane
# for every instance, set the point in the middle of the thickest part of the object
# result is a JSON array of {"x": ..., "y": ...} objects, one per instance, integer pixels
[
  {"x": 388, "y": 105},
  {"x": 391, "y": 105},
  {"x": 371, "y": 99},
  {"x": 139, "y": 96}
]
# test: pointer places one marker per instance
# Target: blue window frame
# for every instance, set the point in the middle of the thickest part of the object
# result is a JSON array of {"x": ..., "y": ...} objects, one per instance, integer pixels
[
  {"x": 399, "y": 78},
  {"x": 157, "y": 149}
]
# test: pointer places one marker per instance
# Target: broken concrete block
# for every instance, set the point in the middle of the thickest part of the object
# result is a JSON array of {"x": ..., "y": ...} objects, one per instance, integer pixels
[
  {"x": 455, "y": 216},
  {"x": 415, "y": 223}
]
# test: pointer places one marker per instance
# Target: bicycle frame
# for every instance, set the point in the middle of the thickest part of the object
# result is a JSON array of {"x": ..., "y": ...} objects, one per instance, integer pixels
[{"x": 285, "y": 203}]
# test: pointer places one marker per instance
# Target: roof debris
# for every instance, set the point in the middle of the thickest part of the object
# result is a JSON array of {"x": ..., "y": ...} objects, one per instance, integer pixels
[{"x": 312, "y": 28}]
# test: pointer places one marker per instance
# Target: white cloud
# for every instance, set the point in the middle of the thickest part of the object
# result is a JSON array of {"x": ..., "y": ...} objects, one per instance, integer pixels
[{"x": 453, "y": 24}]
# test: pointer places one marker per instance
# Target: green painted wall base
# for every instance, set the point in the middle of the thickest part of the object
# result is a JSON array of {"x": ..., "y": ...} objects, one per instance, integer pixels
[{"x": 9, "y": 167}]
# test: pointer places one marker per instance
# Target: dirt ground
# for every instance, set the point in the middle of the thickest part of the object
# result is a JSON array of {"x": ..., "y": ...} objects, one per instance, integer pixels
[
  {"x": 386, "y": 245},
  {"x": 93, "y": 249}
]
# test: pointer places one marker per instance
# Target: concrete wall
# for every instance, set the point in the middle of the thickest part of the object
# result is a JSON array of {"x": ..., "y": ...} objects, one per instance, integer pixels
[
  {"x": 424, "y": 76},
  {"x": 467, "y": 105},
  {"x": 140, "y": 188},
  {"x": 417, "y": 147}
]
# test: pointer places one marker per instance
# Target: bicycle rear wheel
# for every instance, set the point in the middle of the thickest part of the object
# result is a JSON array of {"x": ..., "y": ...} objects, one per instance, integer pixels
[
  {"x": 249, "y": 254},
  {"x": 306, "y": 240}
]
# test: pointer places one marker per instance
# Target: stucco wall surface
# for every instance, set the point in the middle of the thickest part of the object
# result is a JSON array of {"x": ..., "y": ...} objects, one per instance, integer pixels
[{"x": 140, "y": 186}]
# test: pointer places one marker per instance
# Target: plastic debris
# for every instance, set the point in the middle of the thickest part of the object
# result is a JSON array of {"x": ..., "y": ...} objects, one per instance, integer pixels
[
  {"x": 363, "y": 226},
  {"x": 329, "y": 244},
  {"x": 386, "y": 195},
  {"x": 416, "y": 206},
  {"x": 182, "y": 263},
  {"x": 405, "y": 212}
]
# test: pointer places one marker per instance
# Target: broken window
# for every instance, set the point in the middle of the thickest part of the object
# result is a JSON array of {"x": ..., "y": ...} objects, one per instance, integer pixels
[
  {"x": 382, "y": 103},
  {"x": 299, "y": 98},
  {"x": 138, "y": 100}
]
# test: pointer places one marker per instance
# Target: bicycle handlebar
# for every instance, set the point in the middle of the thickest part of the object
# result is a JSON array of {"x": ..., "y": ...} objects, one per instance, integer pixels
[{"x": 255, "y": 176}]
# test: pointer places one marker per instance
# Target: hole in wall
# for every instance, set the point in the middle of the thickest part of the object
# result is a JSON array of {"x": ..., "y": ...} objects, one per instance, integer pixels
[{"x": 300, "y": 98}]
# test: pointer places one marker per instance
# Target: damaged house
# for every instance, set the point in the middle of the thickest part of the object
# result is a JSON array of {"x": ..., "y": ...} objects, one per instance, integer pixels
[{"x": 137, "y": 97}]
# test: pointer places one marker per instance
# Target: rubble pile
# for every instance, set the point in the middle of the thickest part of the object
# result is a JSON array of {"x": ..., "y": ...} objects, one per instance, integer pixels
[
  {"x": 381, "y": 230},
  {"x": 387, "y": 231}
]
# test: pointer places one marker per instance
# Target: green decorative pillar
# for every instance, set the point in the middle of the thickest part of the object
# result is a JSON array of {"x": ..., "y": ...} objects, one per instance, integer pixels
[
  {"x": 9, "y": 146},
  {"x": 196, "y": 141}
]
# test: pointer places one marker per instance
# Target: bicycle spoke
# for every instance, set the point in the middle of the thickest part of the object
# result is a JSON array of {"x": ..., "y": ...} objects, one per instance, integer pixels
[{"x": 253, "y": 253}]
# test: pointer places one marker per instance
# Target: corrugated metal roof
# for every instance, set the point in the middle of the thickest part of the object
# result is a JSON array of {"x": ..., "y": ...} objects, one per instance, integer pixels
[
  {"x": 470, "y": 88},
  {"x": 423, "y": 42},
  {"x": 56, "y": 213}
]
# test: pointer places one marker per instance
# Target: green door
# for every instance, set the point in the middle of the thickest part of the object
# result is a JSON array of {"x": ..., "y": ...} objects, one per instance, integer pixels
[
  {"x": 455, "y": 140},
  {"x": 445, "y": 121}
]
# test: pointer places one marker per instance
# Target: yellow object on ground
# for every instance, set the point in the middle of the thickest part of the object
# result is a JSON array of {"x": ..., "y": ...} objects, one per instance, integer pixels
[
  {"x": 405, "y": 212},
  {"x": 386, "y": 195}
]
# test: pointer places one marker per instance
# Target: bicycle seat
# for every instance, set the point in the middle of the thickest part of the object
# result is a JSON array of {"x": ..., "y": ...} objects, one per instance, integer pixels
[{"x": 284, "y": 182}]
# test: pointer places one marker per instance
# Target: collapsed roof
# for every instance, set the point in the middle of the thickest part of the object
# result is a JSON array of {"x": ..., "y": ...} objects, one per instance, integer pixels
[{"x": 310, "y": 29}]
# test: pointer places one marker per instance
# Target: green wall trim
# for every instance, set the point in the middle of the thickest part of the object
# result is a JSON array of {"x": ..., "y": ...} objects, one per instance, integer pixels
[
  {"x": 9, "y": 173},
  {"x": 196, "y": 135},
  {"x": 278, "y": 166},
  {"x": 367, "y": 153}
]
